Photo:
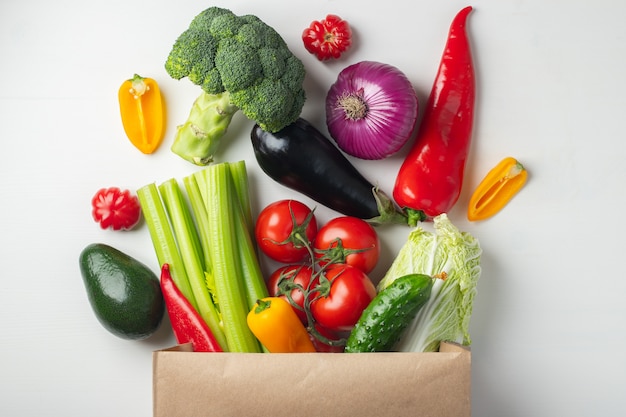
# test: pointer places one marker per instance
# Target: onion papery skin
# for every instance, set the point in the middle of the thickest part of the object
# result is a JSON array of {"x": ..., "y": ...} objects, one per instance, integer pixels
[{"x": 390, "y": 115}]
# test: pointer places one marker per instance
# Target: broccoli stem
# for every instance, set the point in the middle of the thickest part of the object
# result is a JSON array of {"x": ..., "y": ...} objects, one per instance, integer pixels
[{"x": 199, "y": 137}]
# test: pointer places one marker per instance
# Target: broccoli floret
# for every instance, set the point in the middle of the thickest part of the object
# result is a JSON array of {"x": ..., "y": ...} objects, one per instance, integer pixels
[
  {"x": 268, "y": 99},
  {"x": 274, "y": 62},
  {"x": 194, "y": 61},
  {"x": 242, "y": 59},
  {"x": 246, "y": 74}
]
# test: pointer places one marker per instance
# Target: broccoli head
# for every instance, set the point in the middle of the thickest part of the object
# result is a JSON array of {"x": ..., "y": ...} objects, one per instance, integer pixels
[{"x": 245, "y": 58}]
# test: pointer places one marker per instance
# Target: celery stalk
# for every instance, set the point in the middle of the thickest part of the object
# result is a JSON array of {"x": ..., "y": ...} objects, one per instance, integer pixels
[
  {"x": 163, "y": 238},
  {"x": 195, "y": 185},
  {"x": 219, "y": 194},
  {"x": 254, "y": 283},
  {"x": 199, "y": 211},
  {"x": 191, "y": 253},
  {"x": 240, "y": 177},
  {"x": 182, "y": 224}
]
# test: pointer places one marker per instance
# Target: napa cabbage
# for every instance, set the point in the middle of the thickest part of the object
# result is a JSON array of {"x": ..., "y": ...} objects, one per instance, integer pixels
[{"x": 454, "y": 258}]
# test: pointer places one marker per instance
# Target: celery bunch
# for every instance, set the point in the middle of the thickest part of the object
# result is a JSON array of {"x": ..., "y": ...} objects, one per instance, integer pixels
[{"x": 204, "y": 234}]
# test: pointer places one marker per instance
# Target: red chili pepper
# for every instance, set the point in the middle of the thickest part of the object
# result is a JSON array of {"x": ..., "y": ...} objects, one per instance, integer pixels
[
  {"x": 327, "y": 38},
  {"x": 187, "y": 324},
  {"x": 430, "y": 178}
]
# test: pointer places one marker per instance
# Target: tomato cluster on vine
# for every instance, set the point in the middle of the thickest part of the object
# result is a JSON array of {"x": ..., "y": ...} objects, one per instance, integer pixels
[{"x": 325, "y": 272}]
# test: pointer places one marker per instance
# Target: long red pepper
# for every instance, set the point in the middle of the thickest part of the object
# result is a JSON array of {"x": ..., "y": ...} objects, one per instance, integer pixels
[
  {"x": 187, "y": 324},
  {"x": 430, "y": 178}
]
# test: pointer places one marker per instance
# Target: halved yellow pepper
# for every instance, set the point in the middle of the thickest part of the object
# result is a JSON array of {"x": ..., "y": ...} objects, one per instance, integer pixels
[
  {"x": 277, "y": 326},
  {"x": 497, "y": 189},
  {"x": 143, "y": 112}
]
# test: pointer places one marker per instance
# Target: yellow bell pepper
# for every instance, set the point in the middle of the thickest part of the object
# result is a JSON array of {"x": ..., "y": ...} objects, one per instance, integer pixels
[
  {"x": 277, "y": 326},
  {"x": 497, "y": 189},
  {"x": 143, "y": 112}
]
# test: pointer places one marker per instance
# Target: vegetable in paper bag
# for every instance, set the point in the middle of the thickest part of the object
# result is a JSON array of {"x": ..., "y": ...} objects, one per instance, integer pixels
[{"x": 454, "y": 257}]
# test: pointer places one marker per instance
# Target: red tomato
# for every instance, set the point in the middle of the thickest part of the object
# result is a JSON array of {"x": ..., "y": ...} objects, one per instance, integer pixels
[
  {"x": 323, "y": 347},
  {"x": 115, "y": 208},
  {"x": 327, "y": 38},
  {"x": 341, "y": 305},
  {"x": 288, "y": 280},
  {"x": 348, "y": 240},
  {"x": 281, "y": 228}
]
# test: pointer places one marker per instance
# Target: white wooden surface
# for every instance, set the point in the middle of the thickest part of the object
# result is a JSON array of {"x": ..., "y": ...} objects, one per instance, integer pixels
[{"x": 549, "y": 326}]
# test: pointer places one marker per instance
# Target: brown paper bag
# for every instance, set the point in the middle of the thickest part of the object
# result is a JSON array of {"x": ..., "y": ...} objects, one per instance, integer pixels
[{"x": 188, "y": 384}]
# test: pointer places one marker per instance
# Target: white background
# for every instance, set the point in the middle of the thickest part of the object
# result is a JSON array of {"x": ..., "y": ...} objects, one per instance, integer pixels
[{"x": 549, "y": 332}]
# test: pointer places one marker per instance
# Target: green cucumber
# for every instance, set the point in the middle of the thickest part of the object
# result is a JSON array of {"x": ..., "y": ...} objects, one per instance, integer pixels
[{"x": 381, "y": 324}]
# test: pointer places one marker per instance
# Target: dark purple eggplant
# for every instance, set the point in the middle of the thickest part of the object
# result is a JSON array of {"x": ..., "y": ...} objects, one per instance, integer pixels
[{"x": 300, "y": 157}]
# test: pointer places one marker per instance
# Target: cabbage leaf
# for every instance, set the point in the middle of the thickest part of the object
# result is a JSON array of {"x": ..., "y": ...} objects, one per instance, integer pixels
[{"x": 452, "y": 256}]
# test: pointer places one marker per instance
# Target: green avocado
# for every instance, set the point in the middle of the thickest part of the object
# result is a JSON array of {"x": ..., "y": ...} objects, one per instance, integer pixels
[{"x": 124, "y": 293}]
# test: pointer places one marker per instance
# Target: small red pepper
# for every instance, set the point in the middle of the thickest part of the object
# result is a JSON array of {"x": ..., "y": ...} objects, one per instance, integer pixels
[
  {"x": 115, "y": 208},
  {"x": 430, "y": 178},
  {"x": 187, "y": 324},
  {"x": 327, "y": 38}
]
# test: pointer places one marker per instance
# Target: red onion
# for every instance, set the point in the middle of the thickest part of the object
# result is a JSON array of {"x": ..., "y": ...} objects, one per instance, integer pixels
[{"x": 371, "y": 110}]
